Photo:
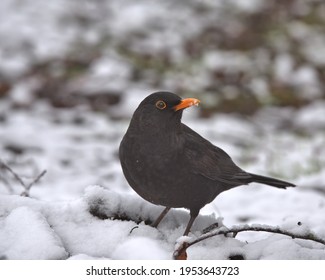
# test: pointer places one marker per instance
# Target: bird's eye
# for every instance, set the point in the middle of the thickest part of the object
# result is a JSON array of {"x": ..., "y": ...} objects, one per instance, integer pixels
[{"x": 161, "y": 105}]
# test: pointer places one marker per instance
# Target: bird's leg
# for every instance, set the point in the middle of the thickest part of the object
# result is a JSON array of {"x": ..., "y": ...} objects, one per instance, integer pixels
[
  {"x": 161, "y": 216},
  {"x": 193, "y": 214}
]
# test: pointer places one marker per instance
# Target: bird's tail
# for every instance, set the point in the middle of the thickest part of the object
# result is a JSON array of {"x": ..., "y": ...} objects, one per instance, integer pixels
[{"x": 270, "y": 181}]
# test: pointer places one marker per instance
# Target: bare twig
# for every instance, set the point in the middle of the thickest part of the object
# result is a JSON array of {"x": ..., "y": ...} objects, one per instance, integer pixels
[
  {"x": 29, "y": 186},
  {"x": 5, "y": 166},
  {"x": 37, "y": 178},
  {"x": 20, "y": 180},
  {"x": 181, "y": 250}
]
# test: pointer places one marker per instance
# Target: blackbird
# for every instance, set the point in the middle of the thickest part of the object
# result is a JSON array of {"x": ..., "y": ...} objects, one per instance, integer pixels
[{"x": 169, "y": 164}]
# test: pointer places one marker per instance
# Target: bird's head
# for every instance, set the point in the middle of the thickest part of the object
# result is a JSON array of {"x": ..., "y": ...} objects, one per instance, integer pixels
[
  {"x": 166, "y": 103},
  {"x": 162, "y": 109}
]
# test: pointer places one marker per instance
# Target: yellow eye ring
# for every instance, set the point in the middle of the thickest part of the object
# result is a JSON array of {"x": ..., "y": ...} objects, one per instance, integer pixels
[{"x": 161, "y": 105}]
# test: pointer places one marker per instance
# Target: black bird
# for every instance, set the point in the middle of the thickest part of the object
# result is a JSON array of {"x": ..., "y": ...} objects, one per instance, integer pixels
[{"x": 169, "y": 164}]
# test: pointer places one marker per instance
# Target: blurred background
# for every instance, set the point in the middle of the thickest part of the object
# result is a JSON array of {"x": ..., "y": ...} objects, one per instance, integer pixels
[{"x": 72, "y": 73}]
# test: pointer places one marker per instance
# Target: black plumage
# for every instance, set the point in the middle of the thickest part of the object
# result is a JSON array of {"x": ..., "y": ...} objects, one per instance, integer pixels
[{"x": 169, "y": 164}]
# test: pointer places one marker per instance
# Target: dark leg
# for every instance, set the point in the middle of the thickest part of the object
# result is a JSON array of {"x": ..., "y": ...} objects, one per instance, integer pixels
[
  {"x": 161, "y": 216},
  {"x": 193, "y": 214}
]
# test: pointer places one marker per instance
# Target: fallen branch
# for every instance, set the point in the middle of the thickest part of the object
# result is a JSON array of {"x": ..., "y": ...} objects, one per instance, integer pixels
[
  {"x": 16, "y": 176},
  {"x": 26, "y": 187},
  {"x": 180, "y": 251},
  {"x": 29, "y": 186}
]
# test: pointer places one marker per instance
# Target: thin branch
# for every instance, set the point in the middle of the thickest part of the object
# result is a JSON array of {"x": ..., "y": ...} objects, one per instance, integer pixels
[
  {"x": 28, "y": 187},
  {"x": 20, "y": 180},
  {"x": 5, "y": 166},
  {"x": 181, "y": 250},
  {"x": 36, "y": 179}
]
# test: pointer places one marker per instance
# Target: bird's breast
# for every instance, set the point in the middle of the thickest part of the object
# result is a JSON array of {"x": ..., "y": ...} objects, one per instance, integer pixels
[
  {"x": 162, "y": 175},
  {"x": 149, "y": 160}
]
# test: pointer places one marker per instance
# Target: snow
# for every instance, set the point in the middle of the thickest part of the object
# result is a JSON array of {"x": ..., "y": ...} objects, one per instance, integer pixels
[
  {"x": 84, "y": 209},
  {"x": 231, "y": 61},
  {"x": 79, "y": 156},
  {"x": 26, "y": 234},
  {"x": 283, "y": 67},
  {"x": 306, "y": 116},
  {"x": 34, "y": 229}
]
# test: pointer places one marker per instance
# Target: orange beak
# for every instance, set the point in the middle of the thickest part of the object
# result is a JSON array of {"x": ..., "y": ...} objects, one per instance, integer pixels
[{"x": 187, "y": 102}]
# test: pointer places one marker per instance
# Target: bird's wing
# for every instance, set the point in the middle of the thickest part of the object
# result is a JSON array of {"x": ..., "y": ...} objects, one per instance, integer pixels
[{"x": 210, "y": 161}]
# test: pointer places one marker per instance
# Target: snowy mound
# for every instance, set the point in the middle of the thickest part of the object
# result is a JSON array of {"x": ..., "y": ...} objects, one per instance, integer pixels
[{"x": 106, "y": 224}]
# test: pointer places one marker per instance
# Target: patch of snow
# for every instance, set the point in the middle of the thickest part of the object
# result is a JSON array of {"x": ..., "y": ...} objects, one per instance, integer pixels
[
  {"x": 314, "y": 49},
  {"x": 250, "y": 6},
  {"x": 25, "y": 234},
  {"x": 111, "y": 68},
  {"x": 283, "y": 67},
  {"x": 32, "y": 229},
  {"x": 312, "y": 116},
  {"x": 227, "y": 60}
]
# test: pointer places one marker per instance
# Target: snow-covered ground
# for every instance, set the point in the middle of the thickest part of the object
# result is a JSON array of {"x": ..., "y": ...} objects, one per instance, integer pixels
[{"x": 79, "y": 147}]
